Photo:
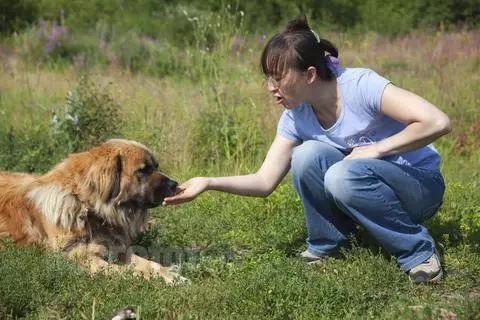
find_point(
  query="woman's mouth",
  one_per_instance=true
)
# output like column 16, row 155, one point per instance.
column 278, row 100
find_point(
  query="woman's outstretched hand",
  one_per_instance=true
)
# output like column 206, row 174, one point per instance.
column 187, row 191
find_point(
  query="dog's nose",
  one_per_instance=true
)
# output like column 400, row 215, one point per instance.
column 171, row 184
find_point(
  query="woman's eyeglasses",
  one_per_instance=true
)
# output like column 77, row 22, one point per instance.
column 273, row 82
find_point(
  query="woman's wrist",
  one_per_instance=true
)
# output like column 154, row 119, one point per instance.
column 382, row 149
column 210, row 183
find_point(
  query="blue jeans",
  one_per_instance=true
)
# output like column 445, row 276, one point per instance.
column 389, row 200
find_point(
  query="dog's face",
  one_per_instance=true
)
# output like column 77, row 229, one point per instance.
column 127, row 174
column 145, row 186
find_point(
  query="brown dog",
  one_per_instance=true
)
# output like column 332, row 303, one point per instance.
column 91, row 206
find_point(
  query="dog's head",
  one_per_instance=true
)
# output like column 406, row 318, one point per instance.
column 125, row 173
column 117, row 181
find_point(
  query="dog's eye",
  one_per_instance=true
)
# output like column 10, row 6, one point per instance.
column 145, row 171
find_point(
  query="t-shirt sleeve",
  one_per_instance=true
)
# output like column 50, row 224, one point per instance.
column 371, row 86
column 286, row 127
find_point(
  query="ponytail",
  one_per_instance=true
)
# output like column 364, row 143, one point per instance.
column 298, row 47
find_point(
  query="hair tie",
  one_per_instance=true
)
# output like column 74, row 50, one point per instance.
column 316, row 35
column 332, row 62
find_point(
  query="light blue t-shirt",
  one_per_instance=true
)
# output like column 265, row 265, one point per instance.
column 360, row 121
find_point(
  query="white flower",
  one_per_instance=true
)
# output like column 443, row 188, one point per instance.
column 73, row 119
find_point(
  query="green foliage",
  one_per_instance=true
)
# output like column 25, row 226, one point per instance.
column 90, row 116
column 139, row 53
column 165, row 20
column 15, row 14
column 227, row 134
column 28, row 150
column 385, row 17
column 463, row 203
column 150, row 37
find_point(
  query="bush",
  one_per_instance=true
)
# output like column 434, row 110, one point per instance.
column 90, row 116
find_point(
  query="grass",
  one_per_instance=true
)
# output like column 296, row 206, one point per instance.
column 240, row 253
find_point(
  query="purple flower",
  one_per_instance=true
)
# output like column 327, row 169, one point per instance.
column 261, row 40
column 54, row 38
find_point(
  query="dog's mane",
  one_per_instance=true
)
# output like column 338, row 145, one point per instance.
column 63, row 209
column 60, row 208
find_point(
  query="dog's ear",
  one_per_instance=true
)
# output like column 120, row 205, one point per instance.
column 105, row 177
column 116, row 179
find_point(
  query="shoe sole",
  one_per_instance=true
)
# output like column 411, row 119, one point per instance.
column 437, row 278
column 434, row 280
column 314, row 262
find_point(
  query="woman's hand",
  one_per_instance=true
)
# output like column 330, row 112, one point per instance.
column 188, row 191
column 369, row 151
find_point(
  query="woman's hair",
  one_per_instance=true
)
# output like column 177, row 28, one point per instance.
column 298, row 48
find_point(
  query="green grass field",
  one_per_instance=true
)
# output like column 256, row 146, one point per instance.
column 210, row 114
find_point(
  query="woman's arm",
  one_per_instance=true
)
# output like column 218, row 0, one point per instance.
column 259, row 184
column 425, row 123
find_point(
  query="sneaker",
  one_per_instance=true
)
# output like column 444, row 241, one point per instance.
column 429, row 271
column 312, row 258
column 309, row 257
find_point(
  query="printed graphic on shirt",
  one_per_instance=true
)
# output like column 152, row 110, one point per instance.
column 361, row 138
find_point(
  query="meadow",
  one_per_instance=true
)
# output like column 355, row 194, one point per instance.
column 204, row 110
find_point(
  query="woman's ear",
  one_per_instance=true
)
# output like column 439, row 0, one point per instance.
column 311, row 75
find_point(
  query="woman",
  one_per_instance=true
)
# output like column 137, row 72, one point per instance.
column 359, row 149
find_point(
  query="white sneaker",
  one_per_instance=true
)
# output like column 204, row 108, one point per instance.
column 309, row 257
column 312, row 258
column 429, row 271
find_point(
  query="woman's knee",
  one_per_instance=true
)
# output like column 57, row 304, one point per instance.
column 309, row 155
column 343, row 178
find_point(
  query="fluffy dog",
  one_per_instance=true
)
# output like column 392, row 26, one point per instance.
column 91, row 206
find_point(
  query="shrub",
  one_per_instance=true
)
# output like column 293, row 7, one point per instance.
column 90, row 116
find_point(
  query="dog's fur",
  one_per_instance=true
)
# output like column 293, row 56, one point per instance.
column 91, row 206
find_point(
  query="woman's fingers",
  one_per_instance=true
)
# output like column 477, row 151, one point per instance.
column 180, row 190
column 182, row 196
column 173, row 201
column 187, row 191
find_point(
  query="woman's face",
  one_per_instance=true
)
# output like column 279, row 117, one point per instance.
column 288, row 91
